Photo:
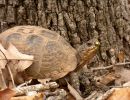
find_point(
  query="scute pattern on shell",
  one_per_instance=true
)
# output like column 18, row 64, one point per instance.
column 54, row 57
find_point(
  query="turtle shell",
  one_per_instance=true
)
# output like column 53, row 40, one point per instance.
column 54, row 57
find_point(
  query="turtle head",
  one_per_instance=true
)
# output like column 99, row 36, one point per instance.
column 87, row 51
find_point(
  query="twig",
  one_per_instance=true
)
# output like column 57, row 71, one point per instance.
column 3, row 54
column 110, row 66
column 119, row 86
column 106, row 95
column 11, row 76
column 38, row 87
column 23, row 84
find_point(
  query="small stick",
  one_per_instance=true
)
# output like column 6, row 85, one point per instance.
column 110, row 66
column 38, row 87
column 23, row 84
column 106, row 95
column 11, row 76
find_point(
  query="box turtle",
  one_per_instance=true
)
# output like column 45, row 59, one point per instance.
column 54, row 57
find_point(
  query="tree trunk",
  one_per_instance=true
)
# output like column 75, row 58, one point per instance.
column 78, row 21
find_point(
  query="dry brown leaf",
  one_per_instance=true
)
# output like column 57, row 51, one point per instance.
column 26, row 61
column 13, row 53
column 2, row 52
column 2, row 81
column 105, row 79
column 15, row 62
column 6, row 94
column 2, row 66
column 120, row 94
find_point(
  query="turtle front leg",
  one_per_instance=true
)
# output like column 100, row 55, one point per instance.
column 74, row 80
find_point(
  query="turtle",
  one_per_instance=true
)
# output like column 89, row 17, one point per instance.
column 54, row 57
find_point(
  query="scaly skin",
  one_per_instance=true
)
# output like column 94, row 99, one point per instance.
column 87, row 55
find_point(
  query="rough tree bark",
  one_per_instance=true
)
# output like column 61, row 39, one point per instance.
column 78, row 21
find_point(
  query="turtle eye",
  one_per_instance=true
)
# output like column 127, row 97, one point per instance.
column 97, row 43
column 89, row 44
